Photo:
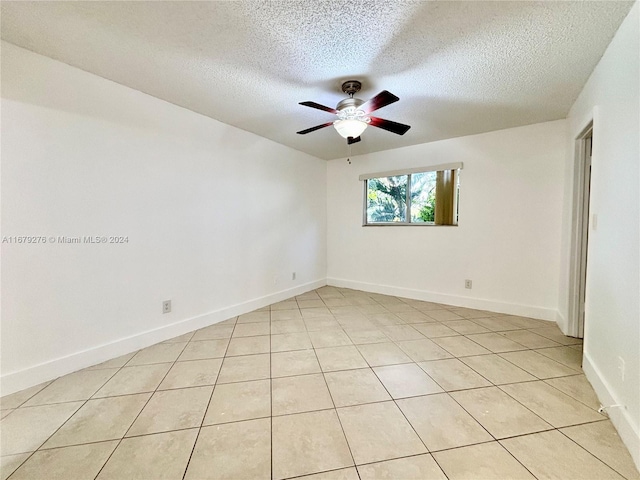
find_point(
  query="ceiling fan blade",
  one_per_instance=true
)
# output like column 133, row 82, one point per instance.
column 319, row 107
column 313, row 129
column 394, row 127
column 351, row 140
column 383, row 99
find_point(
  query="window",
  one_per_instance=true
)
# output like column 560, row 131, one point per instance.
column 422, row 196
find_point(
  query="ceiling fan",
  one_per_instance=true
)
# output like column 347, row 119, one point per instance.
column 353, row 114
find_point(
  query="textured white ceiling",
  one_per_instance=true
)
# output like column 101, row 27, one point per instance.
column 458, row 67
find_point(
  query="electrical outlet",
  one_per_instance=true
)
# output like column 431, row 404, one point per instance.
column 467, row 284
column 621, row 367
column 166, row 306
column 293, row 276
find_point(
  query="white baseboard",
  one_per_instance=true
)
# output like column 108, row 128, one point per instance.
column 620, row 417
column 562, row 323
column 19, row 380
column 540, row 313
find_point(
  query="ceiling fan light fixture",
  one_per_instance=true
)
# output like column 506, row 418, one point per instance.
column 349, row 127
column 353, row 114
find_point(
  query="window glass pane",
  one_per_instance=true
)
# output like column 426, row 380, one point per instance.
column 387, row 199
column 423, row 197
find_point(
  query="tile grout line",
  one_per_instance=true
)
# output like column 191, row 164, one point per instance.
column 589, row 452
column 396, row 405
column 525, row 406
column 439, row 466
column 570, row 396
column 447, row 393
column 550, row 359
column 341, row 327
column 495, row 353
column 143, row 407
column 31, row 454
column 562, row 433
column 488, row 432
column 515, row 458
column 134, row 393
column 193, row 448
column 271, row 391
column 402, row 412
column 493, row 385
column 535, row 379
column 499, row 440
column 21, row 404
column 335, row 409
column 435, row 451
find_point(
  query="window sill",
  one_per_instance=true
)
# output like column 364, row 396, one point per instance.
column 404, row 224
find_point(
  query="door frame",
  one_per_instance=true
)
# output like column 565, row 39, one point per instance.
column 580, row 225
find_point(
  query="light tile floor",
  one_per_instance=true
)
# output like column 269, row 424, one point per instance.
column 333, row 384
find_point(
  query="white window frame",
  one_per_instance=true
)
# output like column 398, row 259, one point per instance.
column 393, row 173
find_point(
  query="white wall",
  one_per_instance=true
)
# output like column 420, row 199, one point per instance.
column 213, row 215
column 612, row 312
column 508, row 240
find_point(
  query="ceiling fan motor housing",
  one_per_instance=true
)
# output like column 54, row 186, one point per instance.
column 349, row 103
column 348, row 110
